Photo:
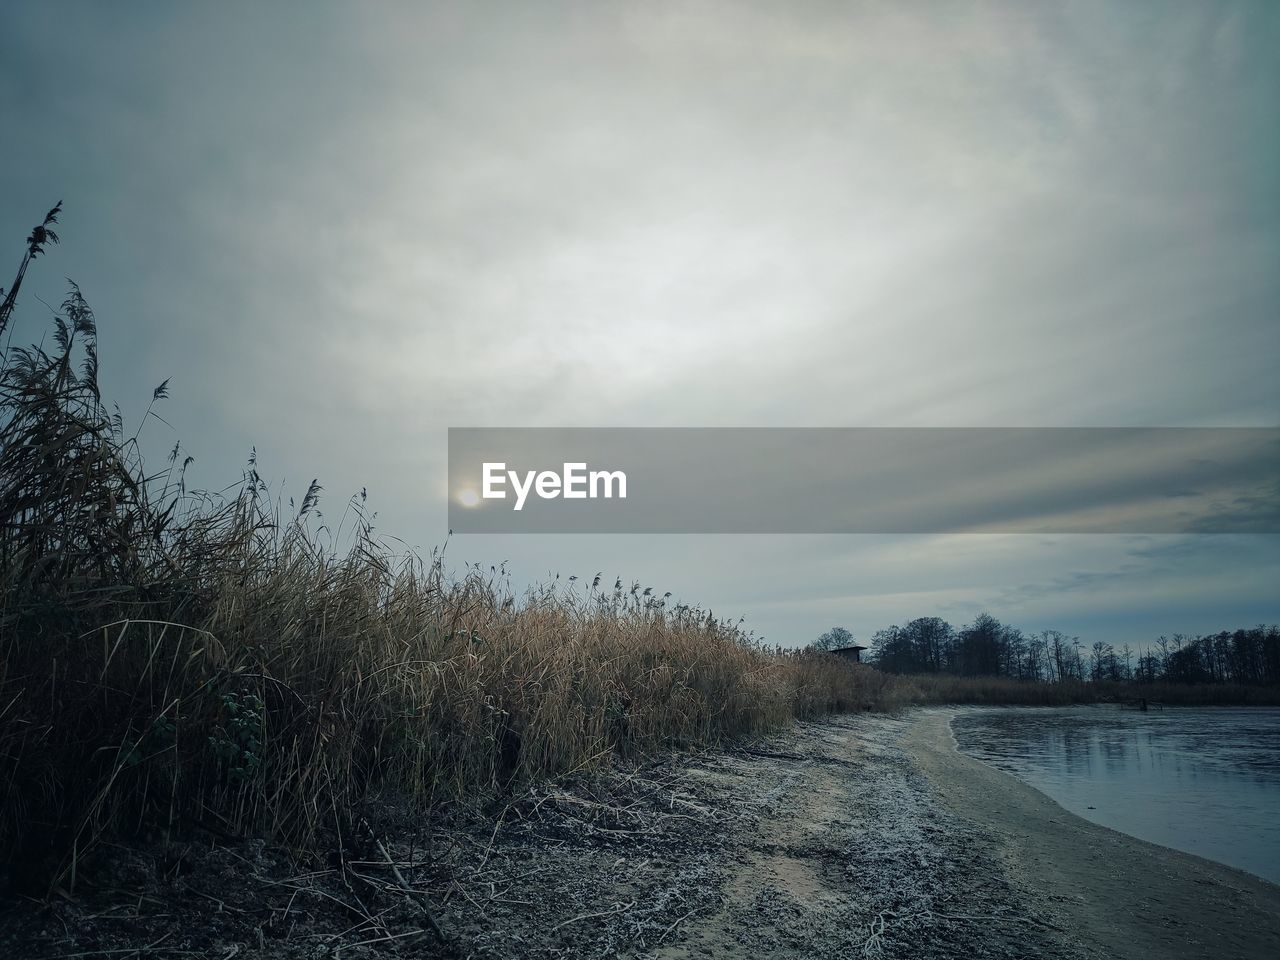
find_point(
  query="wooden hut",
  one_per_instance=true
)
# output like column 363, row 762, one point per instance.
column 853, row 653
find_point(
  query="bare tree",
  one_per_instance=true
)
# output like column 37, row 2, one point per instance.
column 833, row 639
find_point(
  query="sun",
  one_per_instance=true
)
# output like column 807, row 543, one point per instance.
column 468, row 498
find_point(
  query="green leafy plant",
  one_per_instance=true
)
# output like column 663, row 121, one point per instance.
column 238, row 742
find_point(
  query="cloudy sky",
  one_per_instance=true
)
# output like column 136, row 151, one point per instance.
column 343, row 231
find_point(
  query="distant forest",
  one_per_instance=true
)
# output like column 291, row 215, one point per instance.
column 988, row 647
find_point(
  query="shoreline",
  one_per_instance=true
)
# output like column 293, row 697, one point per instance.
column 1127, row 896
column 863, row 835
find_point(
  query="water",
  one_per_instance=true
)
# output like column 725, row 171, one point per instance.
column 1202, row 780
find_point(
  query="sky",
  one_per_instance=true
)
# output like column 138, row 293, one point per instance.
column 340, row 232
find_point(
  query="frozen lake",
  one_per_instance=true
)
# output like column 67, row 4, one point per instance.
column 1202, row 780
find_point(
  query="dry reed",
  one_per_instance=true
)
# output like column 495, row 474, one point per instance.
column 172, row 661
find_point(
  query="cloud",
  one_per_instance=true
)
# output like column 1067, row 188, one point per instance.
column 342, row 233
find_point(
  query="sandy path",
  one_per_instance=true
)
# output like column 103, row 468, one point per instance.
column 1126, row 897
column 853, row 854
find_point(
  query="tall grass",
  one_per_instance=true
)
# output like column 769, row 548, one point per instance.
column 1006, row 691
column 171, row 659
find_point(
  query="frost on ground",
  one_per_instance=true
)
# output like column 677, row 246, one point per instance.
column 859, row 858
column 822, row 842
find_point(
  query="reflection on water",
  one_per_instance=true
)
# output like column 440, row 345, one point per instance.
column 1206, row 781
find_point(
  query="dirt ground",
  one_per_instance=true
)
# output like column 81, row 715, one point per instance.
column 861, row 836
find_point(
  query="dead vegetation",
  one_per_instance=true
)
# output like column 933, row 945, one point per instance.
column 938, row 688
column 175, row 662
column 611, row 862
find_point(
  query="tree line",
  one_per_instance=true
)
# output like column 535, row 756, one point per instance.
column 988, row 647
